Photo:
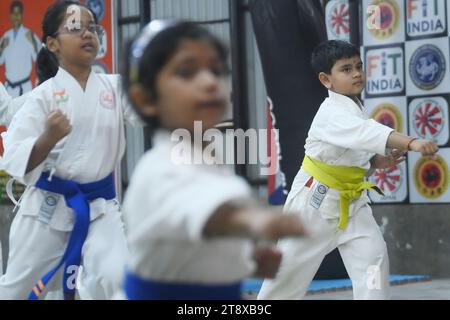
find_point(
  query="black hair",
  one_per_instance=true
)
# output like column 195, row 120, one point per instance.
column 47, row 63
column 161, row 48
column 16, row 4
column 327, row 53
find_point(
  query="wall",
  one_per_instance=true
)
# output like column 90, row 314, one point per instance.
column 417, row 237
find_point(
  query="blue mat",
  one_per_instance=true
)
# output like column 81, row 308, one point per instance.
column 318, row 286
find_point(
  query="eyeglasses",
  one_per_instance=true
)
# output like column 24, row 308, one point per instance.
column 95, row 29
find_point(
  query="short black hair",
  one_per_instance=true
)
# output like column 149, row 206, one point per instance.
column 16, row 4
column 327, row 53
column 158, row 52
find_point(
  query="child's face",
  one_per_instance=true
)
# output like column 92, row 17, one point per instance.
column 190, row 87
column 16, row 17
column 75, row 46
column 347, row 77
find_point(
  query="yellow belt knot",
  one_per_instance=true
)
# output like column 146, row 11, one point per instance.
column 349, row 181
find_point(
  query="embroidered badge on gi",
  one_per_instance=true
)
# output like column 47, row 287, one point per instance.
column 107, row 99
column 48, row 207
column 60, row 97
column 318, row 195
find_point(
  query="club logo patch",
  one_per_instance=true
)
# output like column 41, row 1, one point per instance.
column 50, row 201
column 107, row 99
column 427, row 67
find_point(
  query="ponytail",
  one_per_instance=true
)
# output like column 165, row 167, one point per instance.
column 46, row 65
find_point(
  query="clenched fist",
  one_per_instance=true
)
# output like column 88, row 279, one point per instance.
column 57, row 126
column 275, row 225
column 425, row 147
column 268, row 261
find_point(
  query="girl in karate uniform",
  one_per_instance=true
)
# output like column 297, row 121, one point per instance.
column 65, row 144
column 342, row 148
column 189, row 226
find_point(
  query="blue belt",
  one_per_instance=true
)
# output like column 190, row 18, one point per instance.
column 76, row 196
column 139, row 289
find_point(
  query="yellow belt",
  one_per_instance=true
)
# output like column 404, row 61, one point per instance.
column 349, row 181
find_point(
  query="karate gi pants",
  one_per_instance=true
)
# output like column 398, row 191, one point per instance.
column 35, row 248
column 360, row 244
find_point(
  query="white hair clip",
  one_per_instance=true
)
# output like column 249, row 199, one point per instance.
column 143, row 40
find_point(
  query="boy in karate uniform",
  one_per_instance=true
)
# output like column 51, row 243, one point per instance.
column 329, row 190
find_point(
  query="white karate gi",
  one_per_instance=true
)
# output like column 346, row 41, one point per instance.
column 165, row 209
column 89, row 153
column 4, row 102
column 9, row 106
column 18, row 58
column 341, row 134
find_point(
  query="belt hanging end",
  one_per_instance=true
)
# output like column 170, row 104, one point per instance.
column 52, row 172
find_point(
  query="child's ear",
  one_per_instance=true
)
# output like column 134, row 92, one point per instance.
column 142, row 100
column 325, row 80
column 52, row 44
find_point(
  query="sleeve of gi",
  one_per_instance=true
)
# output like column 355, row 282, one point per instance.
column 5, row 100
column 202, row 199
column 130, row 116
column 9, row 106
column 352, row 132
column 14, row 106
column 179, row 207
column 26, row 127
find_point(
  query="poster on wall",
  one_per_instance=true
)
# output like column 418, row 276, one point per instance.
column 429, row 178
column 427, row 66
column 392, row 181
column 20, row 42
column 415, row 91
column 429, row 117
column 389, row 111
column 383, row 22
column 337, row 20
column 425, row 18
column 384, row 71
